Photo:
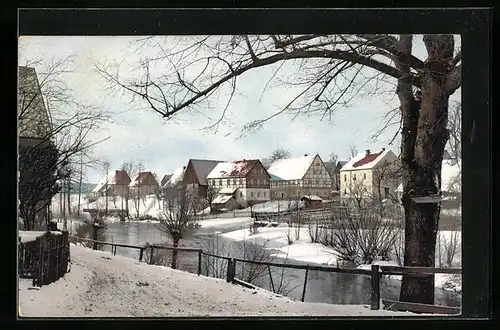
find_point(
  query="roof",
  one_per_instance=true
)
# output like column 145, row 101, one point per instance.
column 362, row 161
column 312, row 198
column 291, row 168
column 139, row 179
column 236, row 169
column 275, row 177
column 165, row 178
column 222, row 199
column 330, row 166
column 120, row 178
column 227, row 190
column 202, row 168
column 175, row 177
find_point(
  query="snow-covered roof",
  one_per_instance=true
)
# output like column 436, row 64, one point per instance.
column 312, row 198
column 236, row 169
column 202, row 168
column 227, row 190
column 222, row 199
column 140, row 179
column 291, row 168
column 120, row 177
column 451, row 178
column 365, row 160
column 175, row 177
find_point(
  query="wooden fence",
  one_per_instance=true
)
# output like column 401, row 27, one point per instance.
column 375, row 274
column 44, row 260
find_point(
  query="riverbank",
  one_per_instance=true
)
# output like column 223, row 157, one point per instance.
column 293, row 244
column 100, row 284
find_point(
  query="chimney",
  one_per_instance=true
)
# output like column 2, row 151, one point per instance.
column 183, row 168
column 383, row 149
column 367, row 152
column 305, row 155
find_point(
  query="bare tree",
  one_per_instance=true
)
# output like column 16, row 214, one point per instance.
column 106, row 165
column 334, row 69
column 353, row 151
column 277, row 154
column 212, row 193
column 132, row 169
column 359, row 191
column 177, row 219
column 455, row 129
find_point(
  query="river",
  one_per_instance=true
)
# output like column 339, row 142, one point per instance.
column 322, row 287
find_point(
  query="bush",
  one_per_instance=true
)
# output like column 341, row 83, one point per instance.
column 362, row 239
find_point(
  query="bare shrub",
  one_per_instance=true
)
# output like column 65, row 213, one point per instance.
column 361, row 239
column 86, row 231
column 253, row 228
column 160, row 257
column 314, row 231
column 213, row 266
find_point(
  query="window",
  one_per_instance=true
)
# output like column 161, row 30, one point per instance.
column 258, row 193
column 386, row 192
column 345, row 177
column 364, row 176
column 220, row 182
column 264, row 194
column 345, row 191
column 241, row 194
column 354, row 177
column 251, row 194
column 241, row 181
column 228, row 181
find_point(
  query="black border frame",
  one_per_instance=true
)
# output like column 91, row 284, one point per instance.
column 474, row 24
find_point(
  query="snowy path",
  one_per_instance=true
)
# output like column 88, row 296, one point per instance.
column 100, row 284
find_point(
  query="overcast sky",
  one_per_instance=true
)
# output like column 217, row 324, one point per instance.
column 139, row 134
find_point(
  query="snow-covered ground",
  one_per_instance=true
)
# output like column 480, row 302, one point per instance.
column 304, row 251
column 274, row 206
column 276, row 238
column 102, row 285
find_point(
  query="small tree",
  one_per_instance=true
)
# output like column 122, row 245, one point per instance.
column 177, row 219
column 39, row 173
column 276, row 155
column 211, row 195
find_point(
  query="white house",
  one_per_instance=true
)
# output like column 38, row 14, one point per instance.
column 369, row 176
column 294, row 177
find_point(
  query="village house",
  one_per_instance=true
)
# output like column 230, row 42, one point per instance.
column 293, row 178
column 170, row 188
column 34, row 120
column 195, row 176
column 245, row 181
column 144, row 183
column 369, row 177
column 117, row 184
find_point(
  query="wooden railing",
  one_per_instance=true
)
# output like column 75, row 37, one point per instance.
column 375, row 273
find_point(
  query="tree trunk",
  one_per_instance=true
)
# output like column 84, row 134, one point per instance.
column 69, row 195
column 174, row 252
column 65, row 219
column 80, row 186
column 60, row 204
column 424, row 137
column 95, row 228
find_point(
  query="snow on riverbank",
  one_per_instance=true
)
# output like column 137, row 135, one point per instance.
column 276, row 238
column 100, row 284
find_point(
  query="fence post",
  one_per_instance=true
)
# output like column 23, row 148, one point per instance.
column 140, row 254
column 199, row 262
column 229, row 277
column 305, row 284
column 271, row 277
column 151, row 255
column 233, row 270
column 375, row 283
